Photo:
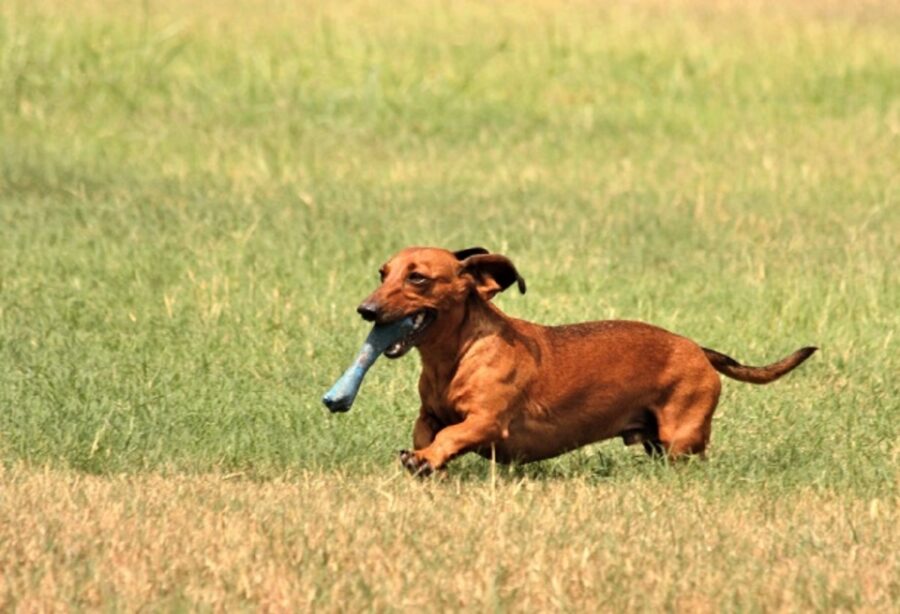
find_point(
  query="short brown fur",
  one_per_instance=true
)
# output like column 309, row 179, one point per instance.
column 529, row 392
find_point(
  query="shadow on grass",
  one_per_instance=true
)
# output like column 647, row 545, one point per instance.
column 592, row 465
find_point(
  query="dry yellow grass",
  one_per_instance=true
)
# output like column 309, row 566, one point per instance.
column 335, row 542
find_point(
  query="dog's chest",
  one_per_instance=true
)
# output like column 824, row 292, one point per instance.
column 442, row 405
column 485, row 381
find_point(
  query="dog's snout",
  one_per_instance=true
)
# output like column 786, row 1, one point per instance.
column 368, row 311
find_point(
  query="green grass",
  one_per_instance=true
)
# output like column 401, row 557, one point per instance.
column 193, row 199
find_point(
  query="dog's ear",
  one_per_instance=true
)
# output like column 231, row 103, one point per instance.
column 491, row 273
column 471, row 251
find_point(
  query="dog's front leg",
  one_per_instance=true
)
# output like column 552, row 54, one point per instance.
column 451, row 441
column 424, row 430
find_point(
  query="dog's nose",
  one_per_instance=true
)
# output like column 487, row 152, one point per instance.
column 368, row 311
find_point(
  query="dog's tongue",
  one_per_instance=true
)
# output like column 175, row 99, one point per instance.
column 340, row 397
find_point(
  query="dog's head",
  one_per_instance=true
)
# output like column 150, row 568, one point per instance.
column 433, row 285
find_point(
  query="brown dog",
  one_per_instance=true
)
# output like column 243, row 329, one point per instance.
column 531, row 392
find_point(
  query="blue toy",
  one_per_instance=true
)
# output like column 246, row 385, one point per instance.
column 342, row 394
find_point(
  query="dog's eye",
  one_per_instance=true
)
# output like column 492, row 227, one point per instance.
column 382, row 274
column 416, row 279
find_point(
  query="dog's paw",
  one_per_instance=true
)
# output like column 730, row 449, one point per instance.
column 416, row 466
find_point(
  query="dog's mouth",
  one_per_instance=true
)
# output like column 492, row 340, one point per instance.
column 421, row 321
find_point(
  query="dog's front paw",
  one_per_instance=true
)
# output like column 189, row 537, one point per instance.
column 416, row 466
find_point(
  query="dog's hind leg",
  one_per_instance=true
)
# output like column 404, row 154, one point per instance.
column 643, row 429
column 685, row 420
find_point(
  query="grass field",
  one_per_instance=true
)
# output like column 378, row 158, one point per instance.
column 195, row 196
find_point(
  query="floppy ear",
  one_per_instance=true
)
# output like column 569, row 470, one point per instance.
column 492, row 273
column 471, row 251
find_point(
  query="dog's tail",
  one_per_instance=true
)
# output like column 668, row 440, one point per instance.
column 727, row 365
